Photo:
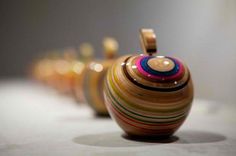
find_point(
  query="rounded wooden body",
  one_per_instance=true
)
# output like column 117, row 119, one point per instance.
column 66, row 76
column 79, row 68
column 148, row 95
column 93, row 85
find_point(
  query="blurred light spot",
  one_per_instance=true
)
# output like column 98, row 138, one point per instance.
column 78, row 67
column 98, row 67
column 166, row 62
column 134, row 66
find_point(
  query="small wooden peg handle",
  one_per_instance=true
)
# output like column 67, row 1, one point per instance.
column 86, row 51
column 110, row 46
column 148, row 41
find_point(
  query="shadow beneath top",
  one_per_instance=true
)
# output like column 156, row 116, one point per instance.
column 157, row 140
column 117, row 139
column 197, row 137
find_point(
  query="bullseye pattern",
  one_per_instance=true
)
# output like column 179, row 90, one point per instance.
column 143, row 66
column 148, row 95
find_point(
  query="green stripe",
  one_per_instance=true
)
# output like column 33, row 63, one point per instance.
column 107, row 90
column 137, row 106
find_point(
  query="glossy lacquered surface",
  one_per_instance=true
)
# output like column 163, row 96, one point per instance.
column 93, row 85
column 94, row 76
column 149, row 95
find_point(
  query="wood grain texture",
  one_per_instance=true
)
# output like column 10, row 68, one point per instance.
column 148, row 102
column 94, row 83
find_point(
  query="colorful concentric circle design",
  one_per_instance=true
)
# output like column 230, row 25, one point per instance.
column 148, row 95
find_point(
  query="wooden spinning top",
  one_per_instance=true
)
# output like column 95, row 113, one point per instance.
column 94, row 77
column 148, row 95
column 86, row 56
column 65, row 70
column 44, row 70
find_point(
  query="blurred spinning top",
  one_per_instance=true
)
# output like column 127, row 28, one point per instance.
column 44, row 69
column 86, row 55
column 94, row 77
column 148, row 95
column 64, row 69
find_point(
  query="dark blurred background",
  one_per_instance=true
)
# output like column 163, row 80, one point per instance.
column 200, row 32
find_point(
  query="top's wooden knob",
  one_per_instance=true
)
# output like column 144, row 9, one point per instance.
column 86, row 51
column 110, row 46
column 148, row 41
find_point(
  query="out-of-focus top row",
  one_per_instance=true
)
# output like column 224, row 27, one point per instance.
column 77, row 72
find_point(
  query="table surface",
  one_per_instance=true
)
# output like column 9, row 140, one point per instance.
column 36, row 120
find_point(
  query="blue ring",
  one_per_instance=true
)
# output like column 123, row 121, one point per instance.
column 147, row 68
